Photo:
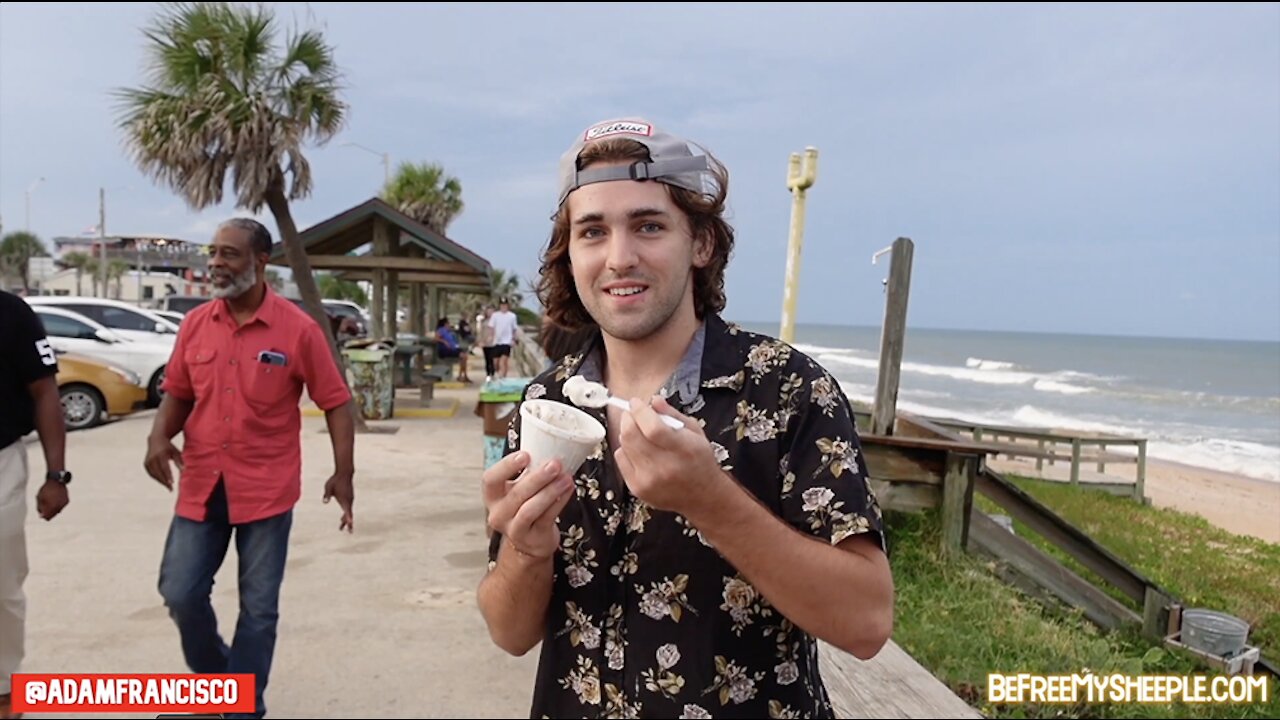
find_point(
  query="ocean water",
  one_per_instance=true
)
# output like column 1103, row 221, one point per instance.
column 1211, row 403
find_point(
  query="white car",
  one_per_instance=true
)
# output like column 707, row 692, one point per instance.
column 72, row 332
column 128, row 320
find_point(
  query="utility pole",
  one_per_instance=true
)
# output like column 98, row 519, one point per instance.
column 102, row 238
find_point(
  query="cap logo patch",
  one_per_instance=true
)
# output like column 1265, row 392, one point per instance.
column 618, row 128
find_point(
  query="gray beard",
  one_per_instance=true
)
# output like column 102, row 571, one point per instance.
column 240, row 285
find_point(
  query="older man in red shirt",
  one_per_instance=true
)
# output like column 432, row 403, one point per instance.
column 232, row 388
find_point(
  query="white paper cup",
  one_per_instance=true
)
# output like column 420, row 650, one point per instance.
column 550, row 429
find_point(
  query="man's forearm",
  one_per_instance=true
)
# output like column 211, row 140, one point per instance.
column 842, row 595
column 50, row 424
column 514, row 598
column 171, row 417
column 342, row 433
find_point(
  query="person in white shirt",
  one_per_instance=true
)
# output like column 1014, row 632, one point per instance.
column 506, row 330
column 485, row 334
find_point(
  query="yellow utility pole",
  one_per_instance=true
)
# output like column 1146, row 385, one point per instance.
column 798, row 180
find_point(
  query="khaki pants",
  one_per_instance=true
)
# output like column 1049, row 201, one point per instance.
column 13, row 560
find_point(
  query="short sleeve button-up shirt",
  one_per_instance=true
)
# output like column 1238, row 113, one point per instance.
column 646, row 619
column 246, row 424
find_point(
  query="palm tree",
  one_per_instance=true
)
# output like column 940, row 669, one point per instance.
column 425, row 193
column 116, row 270
column 16, row 251
column 504, row 285
column 223, row 98
column 79, row 262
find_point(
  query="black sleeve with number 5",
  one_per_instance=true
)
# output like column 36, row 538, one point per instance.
column 25, row 356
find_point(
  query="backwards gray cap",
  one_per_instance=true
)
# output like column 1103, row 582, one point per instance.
column 673, row 162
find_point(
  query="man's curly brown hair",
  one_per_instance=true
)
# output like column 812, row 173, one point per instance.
column 556, row 290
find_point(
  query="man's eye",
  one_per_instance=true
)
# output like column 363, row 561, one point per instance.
column 651, row 227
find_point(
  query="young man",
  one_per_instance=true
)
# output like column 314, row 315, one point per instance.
column 680, row 572
column 29, row 401
column 232, row 388
column 506, row 330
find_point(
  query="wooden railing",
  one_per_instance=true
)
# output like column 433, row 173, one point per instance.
column 1048, row 446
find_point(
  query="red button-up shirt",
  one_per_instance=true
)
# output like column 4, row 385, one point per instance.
column 246, row 424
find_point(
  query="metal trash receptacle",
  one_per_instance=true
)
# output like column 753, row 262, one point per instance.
column 497, row 404
column 370, row 373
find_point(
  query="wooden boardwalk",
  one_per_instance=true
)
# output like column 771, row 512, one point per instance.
column 892, row 685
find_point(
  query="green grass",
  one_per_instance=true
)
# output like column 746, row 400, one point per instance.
column 960, row 621
column 1199, row 563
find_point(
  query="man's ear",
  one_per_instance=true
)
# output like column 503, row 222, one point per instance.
column 703, row 248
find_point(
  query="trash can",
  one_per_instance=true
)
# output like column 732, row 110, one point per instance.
column 498, row 402
column 371, row 377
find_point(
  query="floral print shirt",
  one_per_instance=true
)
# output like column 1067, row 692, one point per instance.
column 646, row 619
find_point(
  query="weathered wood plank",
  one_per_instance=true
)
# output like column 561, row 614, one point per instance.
column 1026, row 560
column 890, row 685
column 957, row 501
column 907, row 497
column 1063, row 534
column 390, row 262
column 896, row 464
column 893, row 337
column 910, row 425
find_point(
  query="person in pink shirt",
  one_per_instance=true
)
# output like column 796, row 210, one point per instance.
column 232, row 388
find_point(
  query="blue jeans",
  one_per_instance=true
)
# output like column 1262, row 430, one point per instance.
column 193, row 553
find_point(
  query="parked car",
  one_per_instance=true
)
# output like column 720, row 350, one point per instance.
column 181, row 303
column 74, row 333
column 171, row 315
column 92, row 391
column 128, row 320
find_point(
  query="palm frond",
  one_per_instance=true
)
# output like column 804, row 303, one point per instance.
column 222, row 98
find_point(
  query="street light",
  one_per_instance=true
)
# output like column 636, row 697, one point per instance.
column 386, row 159
column 102, row 236
column 31, row 188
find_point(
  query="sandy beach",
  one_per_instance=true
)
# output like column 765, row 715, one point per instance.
column 1239, row 504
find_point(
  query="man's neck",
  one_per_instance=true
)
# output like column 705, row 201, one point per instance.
column 638, row 368
column 245, row 305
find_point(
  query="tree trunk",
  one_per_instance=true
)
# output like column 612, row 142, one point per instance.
column 306, row 282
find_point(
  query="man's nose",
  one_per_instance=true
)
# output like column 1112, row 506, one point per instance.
column 622, row 252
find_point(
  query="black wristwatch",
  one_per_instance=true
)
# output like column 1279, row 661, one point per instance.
column 61, row 476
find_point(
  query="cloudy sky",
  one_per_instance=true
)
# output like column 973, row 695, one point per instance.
column 1109, row 170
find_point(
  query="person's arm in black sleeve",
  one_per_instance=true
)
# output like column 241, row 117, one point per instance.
column 38, row 367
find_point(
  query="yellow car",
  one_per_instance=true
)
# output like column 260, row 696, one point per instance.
column 93, row 390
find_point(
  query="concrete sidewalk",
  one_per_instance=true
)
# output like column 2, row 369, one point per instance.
column 381, row 623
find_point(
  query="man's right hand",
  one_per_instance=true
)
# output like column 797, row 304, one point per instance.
column 160, row 452
column 525, row 512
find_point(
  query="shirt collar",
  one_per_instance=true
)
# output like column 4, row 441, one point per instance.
column 713, row 360
column 266, row 312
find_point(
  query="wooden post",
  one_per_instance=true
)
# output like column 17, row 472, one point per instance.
column 1102, row 464
column 1155, row 614
column 393, row 302
column 893, row 337
column 957, row 501
column 1075, row 461
column 1040, row 459
column 376, row 303
column 1141, row 480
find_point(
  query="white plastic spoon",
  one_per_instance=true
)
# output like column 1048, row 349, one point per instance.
column 584, row 393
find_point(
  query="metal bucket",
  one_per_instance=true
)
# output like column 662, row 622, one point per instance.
column 1214, row 632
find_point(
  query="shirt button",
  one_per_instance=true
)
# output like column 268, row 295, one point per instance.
column 233, row 361
column 228, row 390
column 224, row 446
column 226, row 419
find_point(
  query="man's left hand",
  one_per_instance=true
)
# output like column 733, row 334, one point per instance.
column 340, row 486
column 669, row 469
column 51, row 499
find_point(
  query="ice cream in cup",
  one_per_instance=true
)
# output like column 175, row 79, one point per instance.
column 550, row 429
